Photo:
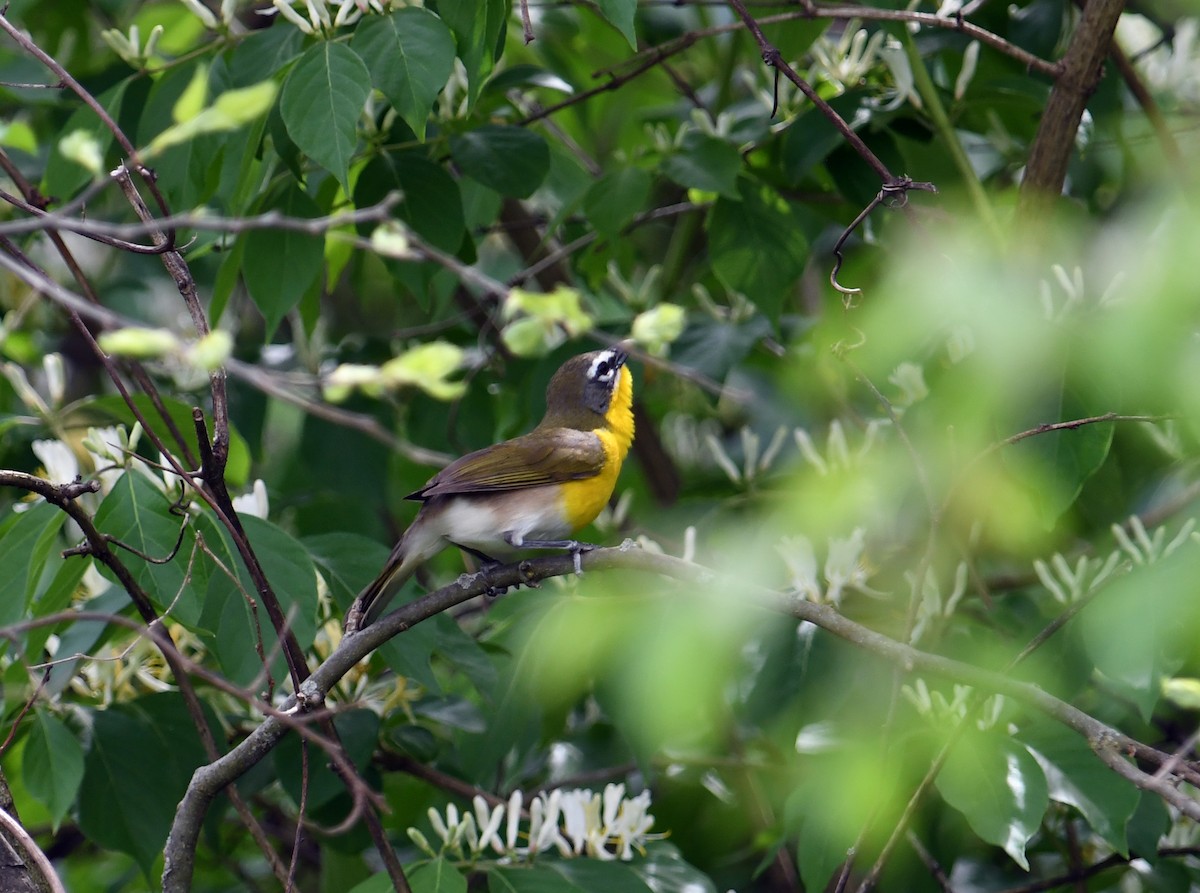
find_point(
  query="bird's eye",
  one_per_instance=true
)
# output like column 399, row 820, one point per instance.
column 603, row 369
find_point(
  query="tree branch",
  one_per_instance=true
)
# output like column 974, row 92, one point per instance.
column 1054, row 144
column 1110, row 745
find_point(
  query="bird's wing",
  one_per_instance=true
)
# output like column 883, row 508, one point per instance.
column 545, row 456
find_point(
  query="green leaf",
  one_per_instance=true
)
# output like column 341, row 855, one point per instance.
column 1077, row 777
column 812, row 136
column 595, row 875
column 1073, row 457
column 261, row 53
column 358, row 731
column 142, row 756
column 63, row 175
column 706, row 163
column 432, row 205
column 191, row 101
column 478, row 26
column 437, row 876
column 56, row 598
column 138, row 514
column 716, row 346
column 237, row 469
column 665, row 871
column 21, row 558
column 535, row 878
column 756, row 246
column 53, row 764
column 322, row 100
column 1142, row 625
column 291, row 572
column 512, row 160
column 613, row 200
column 81, row 638
column 348, row 562
column 410, row 54
column 281, row 265
column 231, row 110
column 1149, row 822
column 998, row 785
column 619, row 13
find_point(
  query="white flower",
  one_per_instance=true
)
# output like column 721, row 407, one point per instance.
column 578, row 822
column 489, row 824
column 797, row 553
column 904, row 87
column 632, row 824
column 58, row 459
column 202, row 12
column 846, row 61
column 109, row 449
column 844, row 566
column 253, row 503
column 910, row 379
column 838, row 456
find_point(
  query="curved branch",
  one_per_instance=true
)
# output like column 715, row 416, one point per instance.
column 1110, row 745
column 33, row 852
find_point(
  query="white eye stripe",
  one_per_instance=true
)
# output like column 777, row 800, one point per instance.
column 604, row 366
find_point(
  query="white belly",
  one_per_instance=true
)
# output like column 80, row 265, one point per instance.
column 493, row 523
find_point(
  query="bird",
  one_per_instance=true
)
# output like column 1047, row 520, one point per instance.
column 531, row 492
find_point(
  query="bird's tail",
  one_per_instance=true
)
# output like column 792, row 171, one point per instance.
column 374, row 599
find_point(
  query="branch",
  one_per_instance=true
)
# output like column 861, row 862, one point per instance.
column 1109, row 744
column 103, row 231
column 1082, row 66
column 648, row 59
column 32, row 851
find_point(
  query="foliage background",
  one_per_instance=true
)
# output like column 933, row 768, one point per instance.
column 949, row 637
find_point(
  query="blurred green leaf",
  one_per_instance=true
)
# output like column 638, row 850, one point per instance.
column 620, row 14
column 998, row 785
column 1077, row 777
column 595, row 875
column 1139, row 628
column 437, row 876
column 665, row 871
column 1149, row 822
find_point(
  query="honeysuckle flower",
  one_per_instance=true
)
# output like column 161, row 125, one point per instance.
column 844, row 565
column 845, row 61
column 574, row 823
column 255, row 502
column 57, row 459
column 838, row 456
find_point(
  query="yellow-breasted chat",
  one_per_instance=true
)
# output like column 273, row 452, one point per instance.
column 531, row 492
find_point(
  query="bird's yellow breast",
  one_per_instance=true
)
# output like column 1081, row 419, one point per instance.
column 582, row 500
